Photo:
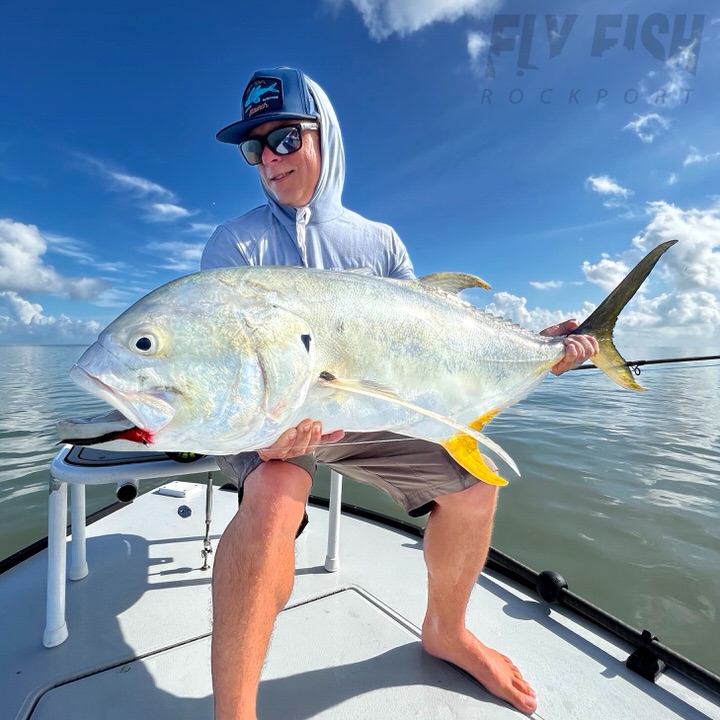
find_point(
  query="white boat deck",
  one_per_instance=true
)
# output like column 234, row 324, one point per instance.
column 346, row 646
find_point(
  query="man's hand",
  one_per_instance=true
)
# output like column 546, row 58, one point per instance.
column 578, row 348
column 299, row 440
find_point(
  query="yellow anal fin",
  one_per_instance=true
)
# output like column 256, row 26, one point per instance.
column 464, row 451
column 382, row 392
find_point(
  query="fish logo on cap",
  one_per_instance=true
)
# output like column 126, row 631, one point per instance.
column 262, row 95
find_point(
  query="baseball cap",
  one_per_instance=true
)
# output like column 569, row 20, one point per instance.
column 276, row 94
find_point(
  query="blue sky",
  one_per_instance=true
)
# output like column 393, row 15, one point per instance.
column 543, row 146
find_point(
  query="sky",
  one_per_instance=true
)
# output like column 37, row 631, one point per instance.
column 544, row 146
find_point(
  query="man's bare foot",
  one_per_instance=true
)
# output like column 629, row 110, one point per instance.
column 495, row 672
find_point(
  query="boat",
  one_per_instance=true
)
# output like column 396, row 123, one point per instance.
column 113, row 620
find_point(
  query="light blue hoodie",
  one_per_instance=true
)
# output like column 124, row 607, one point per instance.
column 323, row 234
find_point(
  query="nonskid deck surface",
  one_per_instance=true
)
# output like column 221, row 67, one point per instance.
column 347, row 645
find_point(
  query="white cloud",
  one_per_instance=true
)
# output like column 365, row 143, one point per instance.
column 166, row 212
column 606, row 273
column 204, row 229
column 23, row 321
column 672, row 178
column 178, row 256
column 515, row 309
column 477, row 43
column 694, row 263
column 678, row 306
column 648, row 127
column 695, row 157
column 23, row 269
column 385, row 17
column 614, row 192
column 606, row 185
column 146, row 192
column 137, row 184
column 676, row 90
column 547, row 285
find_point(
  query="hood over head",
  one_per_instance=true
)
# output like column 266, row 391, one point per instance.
column 284, row 94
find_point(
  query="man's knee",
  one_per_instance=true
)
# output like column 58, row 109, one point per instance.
column 275, row 495
column 479, row 499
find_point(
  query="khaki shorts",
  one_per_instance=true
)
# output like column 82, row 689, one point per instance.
column 412, row 472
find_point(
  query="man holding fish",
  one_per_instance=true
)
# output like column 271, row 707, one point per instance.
column 290, row 132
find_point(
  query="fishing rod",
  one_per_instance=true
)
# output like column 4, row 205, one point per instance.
column 635, row 365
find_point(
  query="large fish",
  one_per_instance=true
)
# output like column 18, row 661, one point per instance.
column 224, row 361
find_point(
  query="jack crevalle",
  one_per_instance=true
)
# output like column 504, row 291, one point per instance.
column 224, row 361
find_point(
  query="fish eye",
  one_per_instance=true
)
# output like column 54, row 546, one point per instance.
column 145, row 343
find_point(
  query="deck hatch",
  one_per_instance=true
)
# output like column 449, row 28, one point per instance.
column 342, row 655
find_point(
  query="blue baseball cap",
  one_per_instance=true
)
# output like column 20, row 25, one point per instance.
column 276, row 94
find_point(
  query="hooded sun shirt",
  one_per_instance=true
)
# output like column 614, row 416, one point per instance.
column 322, row 234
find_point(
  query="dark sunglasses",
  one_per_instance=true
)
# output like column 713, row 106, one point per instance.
column 284, row 140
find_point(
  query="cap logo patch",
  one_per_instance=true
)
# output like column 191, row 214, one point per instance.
column 262, row 95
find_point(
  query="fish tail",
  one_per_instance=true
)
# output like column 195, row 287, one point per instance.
column 601, row 323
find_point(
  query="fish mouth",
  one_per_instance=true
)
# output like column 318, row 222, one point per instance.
column 148, row 411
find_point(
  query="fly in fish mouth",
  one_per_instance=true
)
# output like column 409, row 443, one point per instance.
column 133, row 434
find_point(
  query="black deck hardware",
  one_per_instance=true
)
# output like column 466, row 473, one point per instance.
column 644, row 662
column 549, row 585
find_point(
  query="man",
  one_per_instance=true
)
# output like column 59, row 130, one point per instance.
column 290, row 132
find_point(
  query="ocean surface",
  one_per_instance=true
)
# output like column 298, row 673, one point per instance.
column 620, row 491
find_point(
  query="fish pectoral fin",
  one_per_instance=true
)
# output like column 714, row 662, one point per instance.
column 382, row 392
column 361, row 387
column 464, row 451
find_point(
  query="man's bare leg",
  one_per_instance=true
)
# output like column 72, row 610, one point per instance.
column 457, row 540
column 252, row 580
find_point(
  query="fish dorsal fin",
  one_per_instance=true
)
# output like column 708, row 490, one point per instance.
column 382, row 392
column 452, row 282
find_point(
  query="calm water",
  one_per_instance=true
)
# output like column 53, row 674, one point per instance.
column 620, row 491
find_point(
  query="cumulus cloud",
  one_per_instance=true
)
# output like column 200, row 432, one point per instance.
column 678, row 306
column 606, row 273
column 23, row 269
column 615, row 194
column 515, row 309
column 694, row 263
column 606, row 185
column 24, row 321
column 385, row 17
column 648, row 127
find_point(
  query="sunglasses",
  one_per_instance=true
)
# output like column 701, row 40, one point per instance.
column 282, row 141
